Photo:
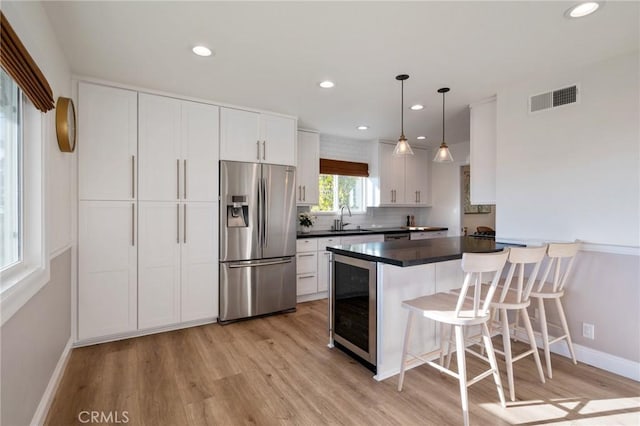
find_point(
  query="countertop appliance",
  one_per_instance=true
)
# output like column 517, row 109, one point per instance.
column 395, row 237
column 257, row 239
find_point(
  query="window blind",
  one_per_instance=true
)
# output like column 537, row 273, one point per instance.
column 344, row 168
column 17, row 62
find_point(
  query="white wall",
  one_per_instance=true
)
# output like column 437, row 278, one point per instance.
column 44, row 321
column 573, row 173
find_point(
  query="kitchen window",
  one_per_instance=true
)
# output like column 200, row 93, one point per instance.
column 337, row 191
column 11, row 120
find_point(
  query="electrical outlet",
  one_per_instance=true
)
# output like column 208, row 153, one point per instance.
column 588, row 331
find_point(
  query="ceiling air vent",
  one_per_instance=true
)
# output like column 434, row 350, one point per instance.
column 554, row 99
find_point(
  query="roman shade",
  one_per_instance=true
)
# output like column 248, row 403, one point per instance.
column 344, row 168
column 17, row 62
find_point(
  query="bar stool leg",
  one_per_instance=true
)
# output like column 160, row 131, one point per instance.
column 494, row 364
column 462, row 372
column 545, row 336
column 532, row 342
column 565, row 327
column 405, row 346
column 506, row 341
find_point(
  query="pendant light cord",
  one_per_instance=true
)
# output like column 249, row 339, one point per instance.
column 402, row 108
column 442, row 117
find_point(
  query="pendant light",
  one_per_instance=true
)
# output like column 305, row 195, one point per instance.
column 443, row 155
column 402, row 147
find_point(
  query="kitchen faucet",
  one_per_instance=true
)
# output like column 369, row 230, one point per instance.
column 342, row 224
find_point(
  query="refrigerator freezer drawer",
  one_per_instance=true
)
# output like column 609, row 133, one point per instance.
column 251, row 288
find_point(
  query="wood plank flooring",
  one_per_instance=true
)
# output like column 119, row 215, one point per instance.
column 278, row 370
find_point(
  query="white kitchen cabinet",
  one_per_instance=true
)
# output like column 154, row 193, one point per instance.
column 199, row 152
column 308, row 169
column 159, row 264
column 178, row 262
column 398, row 181
column 391, row 175
column 107, row 142
column 199, row 261
column 254, row 137
column 324, row 275
column 361, row 239
column 306, row 266
column 107, row 268
column 159, row 147
column 417, row 188
column 483, row 137
column 178, row 148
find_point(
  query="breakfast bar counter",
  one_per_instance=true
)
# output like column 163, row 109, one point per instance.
column 369, row 283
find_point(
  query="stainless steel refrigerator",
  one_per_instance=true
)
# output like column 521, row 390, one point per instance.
column 257, row 239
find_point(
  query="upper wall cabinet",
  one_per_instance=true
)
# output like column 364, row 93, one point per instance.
column 107, row 142
column 483, row 135
column 178, row 150
column 308, row 169
column 399, row 181
column 255, row 137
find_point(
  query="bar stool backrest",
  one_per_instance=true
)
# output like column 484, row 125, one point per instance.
column 519, row 258
column 474, row 265
column 557, row 254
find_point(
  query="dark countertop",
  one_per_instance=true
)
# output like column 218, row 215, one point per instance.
column 418, row 252
column 368, row 231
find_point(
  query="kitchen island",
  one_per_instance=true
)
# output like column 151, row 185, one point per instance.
column 370, row 282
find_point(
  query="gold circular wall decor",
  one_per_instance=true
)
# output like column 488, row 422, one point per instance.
column 66, row 124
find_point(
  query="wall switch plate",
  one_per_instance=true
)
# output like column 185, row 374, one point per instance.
column 588, row 330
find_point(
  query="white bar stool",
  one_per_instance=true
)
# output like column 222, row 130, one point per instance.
column 459, row 312
column 557, row 253
column 515, row 297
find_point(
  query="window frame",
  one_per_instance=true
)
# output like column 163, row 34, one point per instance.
column 16, row 266
column 335, row 212
column 21, row 281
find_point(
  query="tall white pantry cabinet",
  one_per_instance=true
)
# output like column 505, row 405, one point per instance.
column 148, row 185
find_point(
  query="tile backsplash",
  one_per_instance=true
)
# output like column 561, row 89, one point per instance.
column 379, row 217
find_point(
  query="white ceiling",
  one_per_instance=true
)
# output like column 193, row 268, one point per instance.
column 272, row 55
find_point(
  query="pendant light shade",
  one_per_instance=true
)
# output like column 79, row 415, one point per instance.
column 442, row 154
column 402, row 147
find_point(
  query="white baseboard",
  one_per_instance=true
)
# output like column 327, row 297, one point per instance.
column 310, row 297
column 47, row 398
column 604, row 361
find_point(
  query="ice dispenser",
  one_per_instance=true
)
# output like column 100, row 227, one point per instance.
column 237, row 211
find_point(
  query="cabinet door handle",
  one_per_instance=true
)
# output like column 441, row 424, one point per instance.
column 257, row 150
column 306, row 276
column 184, row 224
column 416, row 196
column 133, row 224
column 419, row 197
column 184, row 179
column 304, row 192
column 133, row 176
column 299, row 193
column 264, row 150
column 177, row 178
column 305, row 255
column 178, row 223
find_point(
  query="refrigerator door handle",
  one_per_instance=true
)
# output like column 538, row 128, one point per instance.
column 265, row 215
column 259, row 221
column 254, row 264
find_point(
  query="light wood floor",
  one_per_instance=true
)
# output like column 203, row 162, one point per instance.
column 278, row 370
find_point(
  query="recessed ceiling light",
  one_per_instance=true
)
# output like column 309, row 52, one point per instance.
column 582, row 9
column 202, row 51
column 363, row 127
column 327, row 84
column 417, row 107
column 421, row 138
